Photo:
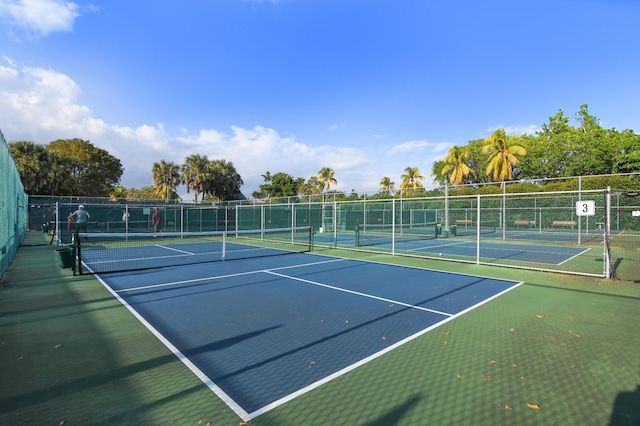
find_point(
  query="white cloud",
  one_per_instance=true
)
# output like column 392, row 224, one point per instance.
column 39, row 17
column 516, row 129
column 41, row 105
column 336, row 127
column 409, row 146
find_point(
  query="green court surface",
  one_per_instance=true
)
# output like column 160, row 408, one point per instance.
column 559, row 349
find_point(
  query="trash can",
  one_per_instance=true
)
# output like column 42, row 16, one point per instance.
column 438, row 229
column 45, row 228
column 65, row 256
column 453, row 229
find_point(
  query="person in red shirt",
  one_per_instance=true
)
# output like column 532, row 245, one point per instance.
column 156, row 217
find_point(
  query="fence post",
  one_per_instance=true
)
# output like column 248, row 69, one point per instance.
column 478, row 231
column 608, row 271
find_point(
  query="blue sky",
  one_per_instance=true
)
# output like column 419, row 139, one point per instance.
column 366, row 87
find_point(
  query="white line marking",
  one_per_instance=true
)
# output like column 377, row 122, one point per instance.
column 174, row 249
column 573, row 257
column 217, row 277
column 359, row 293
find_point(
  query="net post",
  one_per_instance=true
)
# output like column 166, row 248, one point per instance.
column 78, row 249
column 224, row 246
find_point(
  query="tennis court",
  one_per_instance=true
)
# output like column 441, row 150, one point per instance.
column 493, row 246
column 262, row 331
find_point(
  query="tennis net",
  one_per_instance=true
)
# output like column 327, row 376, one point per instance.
column 117, row 252
column 381, row 234
column 471, row 228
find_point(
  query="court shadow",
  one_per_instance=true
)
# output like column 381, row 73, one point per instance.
column 626, row 409
column 394, row 417
column 112, row 376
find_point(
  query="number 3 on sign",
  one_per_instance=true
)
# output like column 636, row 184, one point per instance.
column 586, row 208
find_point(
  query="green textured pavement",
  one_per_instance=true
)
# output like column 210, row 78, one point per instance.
column 558, row 350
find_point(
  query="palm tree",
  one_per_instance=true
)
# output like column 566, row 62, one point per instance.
column 502, row 151
column 166, row 178
column 32, row 161
column 456, row 165
column 411, row 180
column 326, row 179
column 310, row 187
column 387, row 186
column 194, row 174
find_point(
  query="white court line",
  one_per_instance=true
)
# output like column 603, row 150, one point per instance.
column 174, row 249
column 217, row 277
column 359, row 293
column 440, row 245
column 573, row 257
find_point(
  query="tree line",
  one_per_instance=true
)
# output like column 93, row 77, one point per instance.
column 76, row 167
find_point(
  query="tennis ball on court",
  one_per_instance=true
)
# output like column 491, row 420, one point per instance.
column 439, row 254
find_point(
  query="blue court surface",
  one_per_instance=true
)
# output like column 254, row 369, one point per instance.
column 260, row 332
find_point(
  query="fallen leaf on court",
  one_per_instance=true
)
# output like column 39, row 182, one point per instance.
column 58, row 346
column 487, row 378
column 514, row 364
column 392, row 305
column 533, row 406
column 577, row 335
column 507, row 408
column 245, row 423
column 512, row 329
column 447, row 333
column 552, row 338
column 539, row 316
column 523, row 378
column 573, row 366
column 493, row 361
column 384, row 338
column 459, row 376
column 62, row 422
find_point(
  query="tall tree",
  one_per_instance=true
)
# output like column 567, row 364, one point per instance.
column 223, row 181
column 311, row 187
column 278, row 185
column 387, row 186
column 32, row 161
column 194, row 174
column 411, row 180
column 456, row 167
column 166, row 178
column 502, row 151
column 326, row 179
column 91, row 171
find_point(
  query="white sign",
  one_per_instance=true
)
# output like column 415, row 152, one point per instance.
column 586, row 208
column 635, row 213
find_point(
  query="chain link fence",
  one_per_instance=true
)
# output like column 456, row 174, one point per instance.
column 13, row 207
